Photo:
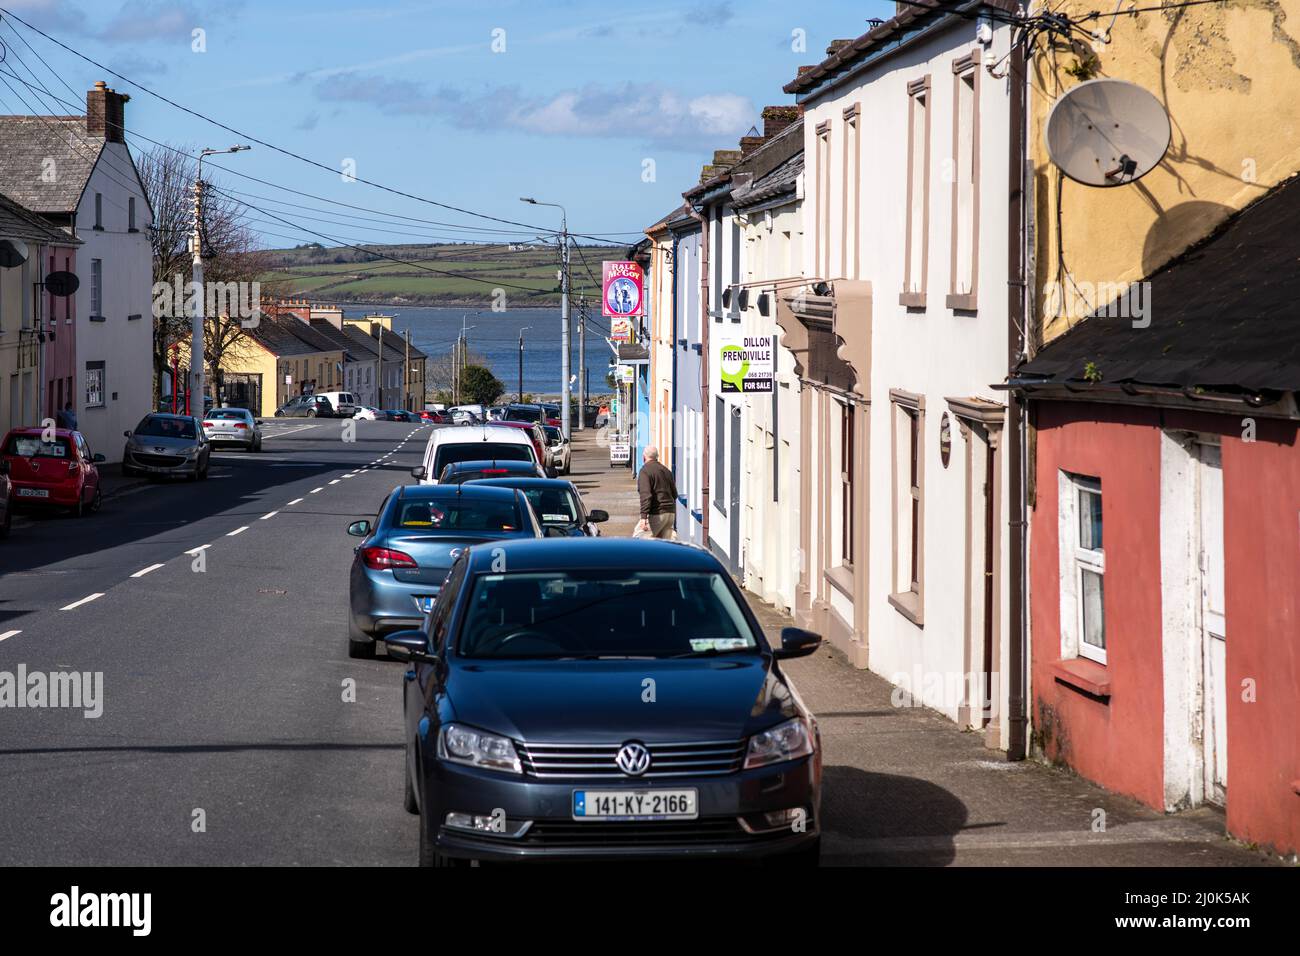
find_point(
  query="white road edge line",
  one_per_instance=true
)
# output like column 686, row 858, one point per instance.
column 8, row 634
column 237, row 531
column 85, row 600
column 143, row 571
column 269, row 514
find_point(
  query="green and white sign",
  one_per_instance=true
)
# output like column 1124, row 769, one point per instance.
column 745, row 363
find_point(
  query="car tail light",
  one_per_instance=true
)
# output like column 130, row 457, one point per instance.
column 495, row 471
column 243, row 425
column 383, row 559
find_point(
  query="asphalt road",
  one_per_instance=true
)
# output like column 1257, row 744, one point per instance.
column 224, row 676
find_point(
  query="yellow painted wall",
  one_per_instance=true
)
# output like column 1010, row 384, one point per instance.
column 1229, row 77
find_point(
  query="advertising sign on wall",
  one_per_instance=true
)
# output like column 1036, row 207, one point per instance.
column 622, row 289
column 620, row 330
column 745, row 363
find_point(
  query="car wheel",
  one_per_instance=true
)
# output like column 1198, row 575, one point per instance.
column 97, row 501
column 409, row 802
column 8, row 522
column 361, row 650
column 257, row 445
column 311, row 413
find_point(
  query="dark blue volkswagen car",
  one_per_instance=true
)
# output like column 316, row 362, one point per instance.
column 603, row 698
column 411, row 543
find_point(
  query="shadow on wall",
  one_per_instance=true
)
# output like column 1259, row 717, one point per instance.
column 1171, row 232
column 909, row 822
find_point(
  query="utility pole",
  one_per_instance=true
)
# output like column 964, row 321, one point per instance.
column 382, row 403
column 582, row 363
column 196, row 311
column 406, row 374
column 565, row 389
column 521, row 362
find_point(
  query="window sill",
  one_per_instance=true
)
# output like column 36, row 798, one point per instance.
column 841, row 578
column 98, row 318
column 1083, row 674
column 132, row 318
column 961, row 303
column 912, row 300
column 908, row 604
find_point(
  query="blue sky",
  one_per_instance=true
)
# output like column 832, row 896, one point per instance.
column 570, row 111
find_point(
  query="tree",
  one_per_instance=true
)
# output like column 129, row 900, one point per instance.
column 229, row 254
column 479, row 386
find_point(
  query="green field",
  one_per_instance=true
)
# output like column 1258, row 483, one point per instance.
column 448, row 274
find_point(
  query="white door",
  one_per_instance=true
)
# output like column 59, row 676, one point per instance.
column 1213, row 624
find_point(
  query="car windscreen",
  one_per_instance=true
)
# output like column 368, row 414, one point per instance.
column 166, row 428
column 552, row 434
column 558, row 506
column 523, row 414
column 226, row 414
column 451, row 475
column 31, row 446
column 455, row 514
column 602, row 613
column 479, row 451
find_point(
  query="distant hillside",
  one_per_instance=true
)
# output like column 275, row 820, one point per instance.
column 450, row 274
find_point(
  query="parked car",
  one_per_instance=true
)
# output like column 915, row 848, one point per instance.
column 496, row 413
column 559, row 448
column 462, row 471
column 524, row 413
column 6, row 498
column 366, row 413
column 473, row 443
column 557, row 502
column 551, row 414
column 526, row 692
column 167, row 445
column 463, row 416
column 235, row 426
column 407, row 548
column 52, row 469
column 165, row 404
column 433, row 416
column 344, row 403
column 538, row 437
column 306, row 406
column 399, row 415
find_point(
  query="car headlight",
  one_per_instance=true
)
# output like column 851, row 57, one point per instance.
column 476, row 748
column 787, row 741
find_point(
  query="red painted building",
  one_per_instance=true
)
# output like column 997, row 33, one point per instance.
column 61, row 333
column 1165, row 535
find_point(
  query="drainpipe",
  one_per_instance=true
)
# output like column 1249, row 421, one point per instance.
column 1017, row 447
column 705, row 320
column 672, row 418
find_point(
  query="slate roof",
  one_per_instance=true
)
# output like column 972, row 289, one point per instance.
column 1222, row 315
column 26, row 142
column 339, row 339
column 277, row 335
column 370, row 343
column 776, row 166
column 19, row 223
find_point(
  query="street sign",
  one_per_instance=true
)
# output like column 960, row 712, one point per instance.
column 620, row 451
column 745, row 363
column 622, row 290
column 625, row 374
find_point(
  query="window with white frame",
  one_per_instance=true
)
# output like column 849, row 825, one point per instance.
column 964, row 173
column 1083, row 569
column 908, row 492
column 95, row 372
column 97, row 287
column 917, row 235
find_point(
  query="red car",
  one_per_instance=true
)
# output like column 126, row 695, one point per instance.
column 437, row 418
column 60, row 472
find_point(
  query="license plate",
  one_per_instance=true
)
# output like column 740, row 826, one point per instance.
column 33, row 493
column 634, row 805
column 425, row 604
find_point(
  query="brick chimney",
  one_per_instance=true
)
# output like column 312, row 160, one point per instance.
column 106, row 113
column 777, row 118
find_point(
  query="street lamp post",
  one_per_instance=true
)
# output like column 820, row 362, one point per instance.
column 521, row 362
column 564, row 311
column 196, row 311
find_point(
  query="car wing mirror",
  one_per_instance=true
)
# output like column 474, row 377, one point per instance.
column 126, row 434
column 409, row 646
column 419, row 471
column 97, row 458
column 359, row 529
column 796, row 642
column 597, row 515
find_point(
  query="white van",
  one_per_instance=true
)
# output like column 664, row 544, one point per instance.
column 345, row 404
column 447, row 446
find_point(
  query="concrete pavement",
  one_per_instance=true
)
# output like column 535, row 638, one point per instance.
column 904, row 786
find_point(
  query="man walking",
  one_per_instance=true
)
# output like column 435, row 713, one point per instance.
column 67, row 418
column 658, row 498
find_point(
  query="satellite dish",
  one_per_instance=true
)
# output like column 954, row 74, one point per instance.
column 13, row 253
column 62, row 284
column 1107, row 133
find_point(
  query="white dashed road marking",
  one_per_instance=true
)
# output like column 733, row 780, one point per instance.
column 85, row 600
column 201, row 547
column 237, row 531
column 143, row 571
column 314, row 490
column 334, row 482
column 8, row 634
column 295, row 501
column 269, row 514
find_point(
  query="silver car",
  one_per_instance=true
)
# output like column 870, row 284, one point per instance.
column 167, row 445
column 235, row 426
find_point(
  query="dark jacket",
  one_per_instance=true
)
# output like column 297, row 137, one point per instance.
column 657, row 488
